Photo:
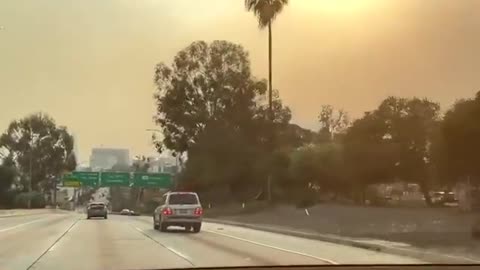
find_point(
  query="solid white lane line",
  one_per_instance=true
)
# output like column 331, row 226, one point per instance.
column 174, row 251
column 179, row 253
column 52, row 248
column 21, row 225
column 273, row 247
column 54, row 244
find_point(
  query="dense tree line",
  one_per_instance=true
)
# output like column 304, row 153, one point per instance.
column 215, row 112
column 34, row 152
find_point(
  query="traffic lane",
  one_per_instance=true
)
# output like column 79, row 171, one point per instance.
column 286, row 247
column 26, row 240
column 111, row 243
column 208, row 250
column 126, row 242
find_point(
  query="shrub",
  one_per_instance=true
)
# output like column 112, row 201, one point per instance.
column 7, row 199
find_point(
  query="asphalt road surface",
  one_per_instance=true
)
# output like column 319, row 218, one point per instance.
column 69, row 241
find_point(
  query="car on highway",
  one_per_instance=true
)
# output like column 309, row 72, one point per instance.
column 134, row 213
column 97, row 209
column 181, row 209
column 443, row 198
column 125, row 212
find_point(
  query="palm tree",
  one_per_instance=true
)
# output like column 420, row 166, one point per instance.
column 266, row 11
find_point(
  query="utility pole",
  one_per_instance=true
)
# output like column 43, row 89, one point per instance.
column 29, row 202
column 55, row 193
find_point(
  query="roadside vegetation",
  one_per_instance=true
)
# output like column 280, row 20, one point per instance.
column 34, row 153
column 214, row 114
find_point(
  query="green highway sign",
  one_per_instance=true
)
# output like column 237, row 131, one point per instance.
column 124, row 179
column 154, row 180
column 70, row 183
column 109, row 179
column 85, row 178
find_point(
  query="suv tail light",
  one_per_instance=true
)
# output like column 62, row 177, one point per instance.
column 198, row 211
column 167, row 211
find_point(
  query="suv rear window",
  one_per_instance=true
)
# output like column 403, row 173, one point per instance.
column 97, row 206
column 186, row 198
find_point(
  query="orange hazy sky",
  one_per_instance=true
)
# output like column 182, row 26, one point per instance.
column 89, row 63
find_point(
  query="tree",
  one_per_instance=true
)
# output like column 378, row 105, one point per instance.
column 223, row 158
column 7, row 178
column 332, row 122
column 441, row 165
column 40, row 150
column 370, row 156
column 293, row 136
column 266, row 11
column 395, row 139
column 206, row 82
column 209, row 105
column 460, row 132
column 141, row 164
column 71, row 162
column 317, row 167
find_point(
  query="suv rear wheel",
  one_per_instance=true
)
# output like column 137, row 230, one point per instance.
column 196, row 227
column 155, row 225
column 163, row 227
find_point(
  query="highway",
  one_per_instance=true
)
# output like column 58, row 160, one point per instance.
column 67, row 240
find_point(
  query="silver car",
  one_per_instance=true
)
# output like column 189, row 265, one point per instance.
column 97, row 209
column 125, row 212
column 181, row 209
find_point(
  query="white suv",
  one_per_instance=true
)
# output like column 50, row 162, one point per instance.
column 179, row 209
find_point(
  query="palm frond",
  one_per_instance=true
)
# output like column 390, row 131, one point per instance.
column 265, row 10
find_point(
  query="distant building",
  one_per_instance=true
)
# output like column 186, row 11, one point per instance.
column 106, row 158
column 162, row 164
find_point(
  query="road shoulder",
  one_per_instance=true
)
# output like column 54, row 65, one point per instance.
column 27, row 212
column 369, row 244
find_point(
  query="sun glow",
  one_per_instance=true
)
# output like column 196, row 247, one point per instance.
column 334, row 7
